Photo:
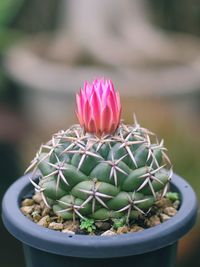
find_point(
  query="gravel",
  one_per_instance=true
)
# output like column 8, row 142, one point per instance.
column 35, row 209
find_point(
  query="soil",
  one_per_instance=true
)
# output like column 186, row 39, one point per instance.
column 34, row 208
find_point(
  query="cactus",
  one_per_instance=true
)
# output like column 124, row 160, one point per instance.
column 101, row 169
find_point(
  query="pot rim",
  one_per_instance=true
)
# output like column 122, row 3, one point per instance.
column 85, row 246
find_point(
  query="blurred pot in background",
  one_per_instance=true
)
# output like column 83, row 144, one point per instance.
column 142, row 59
column 157, row 73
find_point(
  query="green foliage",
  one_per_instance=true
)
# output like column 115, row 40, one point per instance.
column 119, row 222
column 173, row 196
column 88, row 225
column 8, row 10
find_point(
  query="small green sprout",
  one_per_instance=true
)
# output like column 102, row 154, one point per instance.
column 119, row 222
column 173, row 196
column 88, row 225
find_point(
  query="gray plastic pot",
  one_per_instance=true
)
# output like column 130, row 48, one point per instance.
column 43, row 247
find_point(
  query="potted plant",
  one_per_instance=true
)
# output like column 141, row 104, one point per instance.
column 98, row 171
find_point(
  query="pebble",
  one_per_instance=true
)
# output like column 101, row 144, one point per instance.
column 136, row 228
column 37, row 198
column 71, row 226
column 37, row 208
column 42, row 205
column 27, row 209
column 59, row 219
column 45, row 211
column 27, row 202
column 153, row 221
column 55, row 226
column 176, row 204
column 164, row 217
column 66, row 231
column 103, row 225
column 163, row 203
column 122, row 230
column 170, row 211
column 36, row 216
column 44, row 221
column 108, row 233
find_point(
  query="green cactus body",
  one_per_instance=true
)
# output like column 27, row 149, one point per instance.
column 82, row 175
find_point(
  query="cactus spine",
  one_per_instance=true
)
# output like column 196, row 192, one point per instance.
column 82, row 175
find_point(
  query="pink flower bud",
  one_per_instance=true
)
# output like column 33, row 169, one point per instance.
column 98, row 107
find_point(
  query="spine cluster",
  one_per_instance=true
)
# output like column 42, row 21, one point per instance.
column 87, row 176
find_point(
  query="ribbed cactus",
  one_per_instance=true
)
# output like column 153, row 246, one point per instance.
column 101, row 169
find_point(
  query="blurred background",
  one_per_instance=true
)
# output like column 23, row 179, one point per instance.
column 151, row 50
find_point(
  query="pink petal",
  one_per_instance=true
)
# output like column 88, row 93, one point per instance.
column 98, row 107
column 118, row 101
column 113, row 127
column 79, row 110
column 113, row 105
column 79, row 118
column 87, row 114
column 106, row 119
column 111, row 86
column 91, row 126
